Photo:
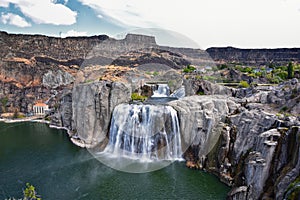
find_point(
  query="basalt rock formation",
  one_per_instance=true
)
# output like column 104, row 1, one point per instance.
column 37, row 68
column 254, row 56
column 252, row 150
column 92, row 107
column 247, row 137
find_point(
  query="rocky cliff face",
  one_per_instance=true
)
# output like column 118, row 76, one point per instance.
column 30, row 63
column 92, row 106
column 234, row 133
column 242, row 140
column 254, row 56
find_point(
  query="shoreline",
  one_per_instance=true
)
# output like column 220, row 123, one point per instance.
column 75, row 141
column 9, row 121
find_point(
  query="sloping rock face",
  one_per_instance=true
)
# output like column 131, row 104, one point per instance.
column 92, row 106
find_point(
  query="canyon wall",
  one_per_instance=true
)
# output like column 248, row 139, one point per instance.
column 236, row 134
column 254, row 57
column 243, row 138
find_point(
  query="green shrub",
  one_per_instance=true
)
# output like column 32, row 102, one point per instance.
column 189, row 69
column 244, row 84
column 30, row 193
column 245, row 69
column 284, row 109
column 198, row 77
column 283, row 75
column 155, row 74
column 223, row 66
column 137, row 97
column 4, row 101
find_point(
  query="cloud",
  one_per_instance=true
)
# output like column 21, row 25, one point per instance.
column 4, row 4
column 14, row 19
column 73, row 33
column 123, row 12
column 210, row 23
column 44, row 11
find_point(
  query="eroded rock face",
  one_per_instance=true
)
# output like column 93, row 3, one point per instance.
column 63, row 115
column 251, row 158
column 194, row 86
column 58, row 78
column 201, row 118
column 92, row 107
column 249, row 148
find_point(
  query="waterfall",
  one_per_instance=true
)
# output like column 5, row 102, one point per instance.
column 163, row 90
column 144, row 132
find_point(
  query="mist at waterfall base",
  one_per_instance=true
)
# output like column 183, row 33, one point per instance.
column 32, row 152
column 143, row 137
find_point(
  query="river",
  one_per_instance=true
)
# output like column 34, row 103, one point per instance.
column 45, row 157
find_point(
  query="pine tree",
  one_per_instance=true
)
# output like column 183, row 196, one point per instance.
column 290, row 70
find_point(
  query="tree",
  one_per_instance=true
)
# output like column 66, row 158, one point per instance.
column 290, row 70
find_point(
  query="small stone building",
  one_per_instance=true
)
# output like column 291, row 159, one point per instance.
column 40, row 108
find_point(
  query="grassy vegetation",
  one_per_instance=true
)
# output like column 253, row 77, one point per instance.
column 200, row 93
column 244, row 84
column 210, row 78
column 137, row 97
column 189, row 69
column 155, row 73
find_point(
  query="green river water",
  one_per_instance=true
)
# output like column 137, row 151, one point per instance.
column 32, row 152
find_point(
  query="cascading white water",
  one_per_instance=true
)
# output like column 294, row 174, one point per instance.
column 145, row 132
column 143, row 137
column 163, row 90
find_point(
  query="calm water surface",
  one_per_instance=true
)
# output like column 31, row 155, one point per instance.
column 32, row 152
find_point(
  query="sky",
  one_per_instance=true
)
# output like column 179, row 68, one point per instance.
column 202, row 23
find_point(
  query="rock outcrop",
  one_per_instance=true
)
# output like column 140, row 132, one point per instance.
column 201, row 119
column 249, row 148
column 92, row 106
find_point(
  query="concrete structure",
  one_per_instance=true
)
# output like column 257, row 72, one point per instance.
column 40, row 108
